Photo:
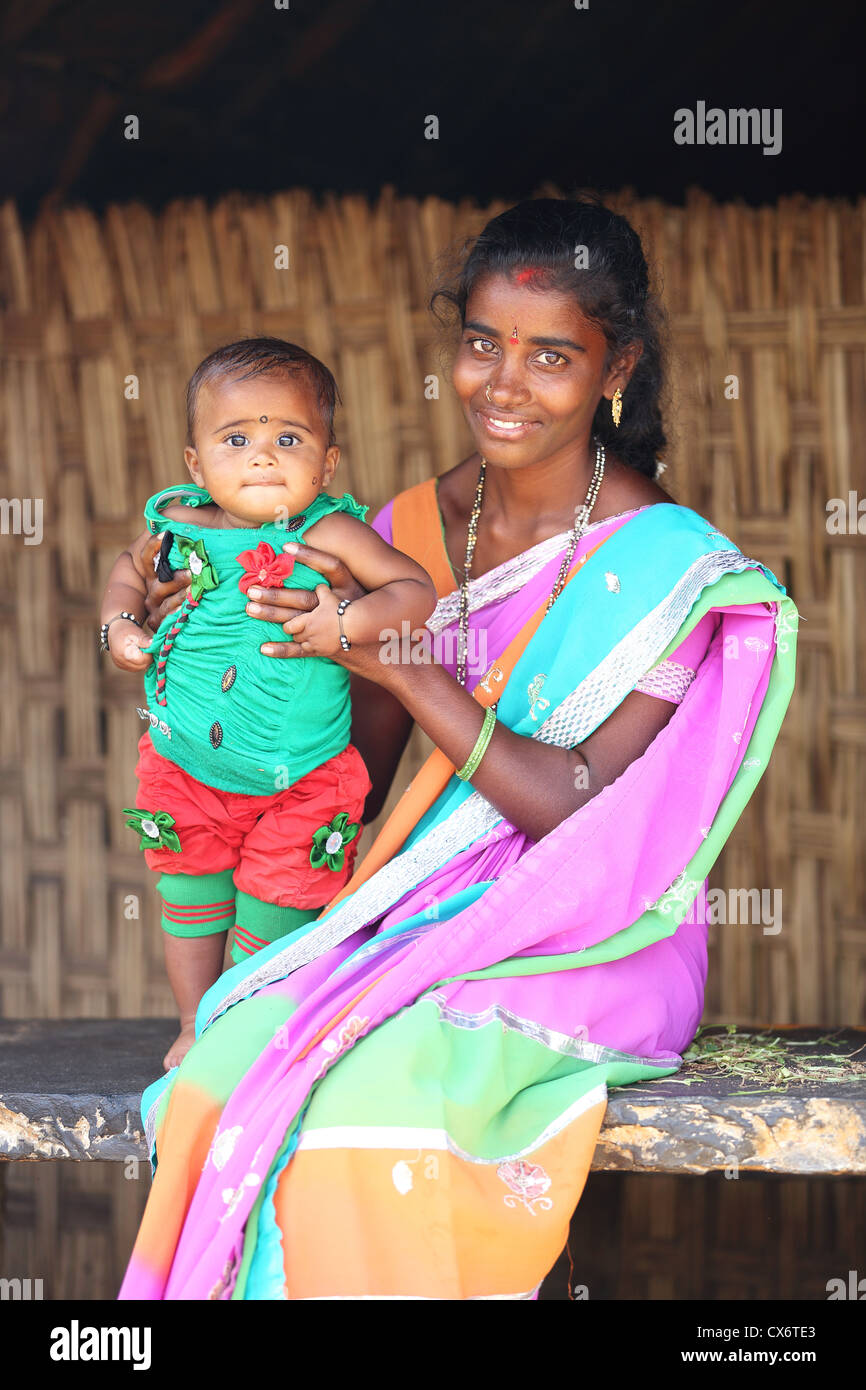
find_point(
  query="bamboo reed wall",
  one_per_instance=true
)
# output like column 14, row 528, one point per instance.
column 776, row 296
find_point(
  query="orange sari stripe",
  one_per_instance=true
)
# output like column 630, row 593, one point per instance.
column 323, row 1032
column 416, row 529
column 324, row 1198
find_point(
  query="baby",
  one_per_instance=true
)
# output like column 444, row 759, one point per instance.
column 250, row 794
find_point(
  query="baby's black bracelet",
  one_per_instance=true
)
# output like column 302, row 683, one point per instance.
column 103, row 631
column 341, row 608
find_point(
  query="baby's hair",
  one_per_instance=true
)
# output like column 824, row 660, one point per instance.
column 251, row 357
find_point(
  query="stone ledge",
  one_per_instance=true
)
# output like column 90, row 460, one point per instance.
column 69, row 1089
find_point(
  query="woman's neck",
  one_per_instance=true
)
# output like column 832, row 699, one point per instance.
column 542, row 495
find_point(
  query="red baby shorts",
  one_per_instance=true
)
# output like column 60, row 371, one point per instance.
column 266, row 840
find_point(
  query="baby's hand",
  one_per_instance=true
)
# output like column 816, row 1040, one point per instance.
column 125, row 642
column 318, row 633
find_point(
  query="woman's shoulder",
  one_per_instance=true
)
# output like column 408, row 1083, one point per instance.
column 634, row 492
column 624, row 490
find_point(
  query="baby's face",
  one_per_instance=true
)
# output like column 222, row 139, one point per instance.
column 261, row 449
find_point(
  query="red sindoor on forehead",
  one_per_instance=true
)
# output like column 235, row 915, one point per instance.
column 525, row 277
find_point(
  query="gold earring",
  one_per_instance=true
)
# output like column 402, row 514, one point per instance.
column 616, row 407
column 487, row 391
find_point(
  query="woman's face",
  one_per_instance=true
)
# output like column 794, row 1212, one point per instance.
column 529, row 400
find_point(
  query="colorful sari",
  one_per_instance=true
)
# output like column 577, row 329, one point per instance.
column 402, row 1100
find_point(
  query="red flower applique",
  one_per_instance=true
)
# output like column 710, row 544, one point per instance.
column 265, row 567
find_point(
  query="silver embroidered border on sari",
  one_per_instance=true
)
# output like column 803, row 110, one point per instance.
column 554, row 1041
column 507, row 578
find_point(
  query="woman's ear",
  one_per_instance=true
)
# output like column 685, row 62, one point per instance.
column 190, row 458
column 620, row 371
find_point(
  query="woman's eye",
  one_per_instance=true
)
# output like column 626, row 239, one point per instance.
column 556, row 356
column 484, row 345
column 288, row 437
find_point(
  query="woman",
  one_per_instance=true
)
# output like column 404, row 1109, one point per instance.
column 403, row 1100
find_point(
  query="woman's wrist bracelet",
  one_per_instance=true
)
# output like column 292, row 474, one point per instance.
column 470, row 767
column 103, row 631
column 341, row 608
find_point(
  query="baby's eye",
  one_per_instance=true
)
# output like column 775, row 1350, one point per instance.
column 291, row 438
column 237, row 441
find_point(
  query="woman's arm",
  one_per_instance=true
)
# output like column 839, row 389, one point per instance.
column 532, row 784
column 380, row 731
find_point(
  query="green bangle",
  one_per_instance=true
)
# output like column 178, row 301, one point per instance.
column 470, row 767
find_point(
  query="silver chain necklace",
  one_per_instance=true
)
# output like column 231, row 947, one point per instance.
column 584, row 512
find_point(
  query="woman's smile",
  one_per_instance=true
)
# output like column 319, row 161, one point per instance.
column 499, row 425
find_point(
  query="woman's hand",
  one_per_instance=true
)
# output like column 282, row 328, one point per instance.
column 295, row 609
column 163, row 597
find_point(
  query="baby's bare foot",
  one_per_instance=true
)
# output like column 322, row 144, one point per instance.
column 180, row 1047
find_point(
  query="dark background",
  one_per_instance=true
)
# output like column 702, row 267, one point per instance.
column 332, row 95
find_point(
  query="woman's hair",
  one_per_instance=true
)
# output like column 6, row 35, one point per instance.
column 580, row 246
column 256, row 356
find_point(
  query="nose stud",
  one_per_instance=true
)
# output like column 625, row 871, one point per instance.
column 487, row 392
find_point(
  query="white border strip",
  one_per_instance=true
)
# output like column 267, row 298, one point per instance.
column 414, row 1138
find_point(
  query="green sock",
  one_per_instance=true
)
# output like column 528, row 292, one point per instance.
column 197, row 904
column 258, row 924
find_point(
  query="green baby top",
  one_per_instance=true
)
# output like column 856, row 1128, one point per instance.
column 228, row 715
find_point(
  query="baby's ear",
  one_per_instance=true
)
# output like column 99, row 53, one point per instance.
column 332, row 463
column 190, row 458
